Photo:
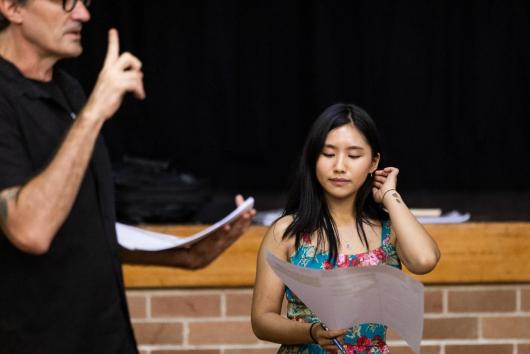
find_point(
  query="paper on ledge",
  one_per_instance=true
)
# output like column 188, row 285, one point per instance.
column 135, row 238
column 452, row 217
column 345, row 297
column 267, row 217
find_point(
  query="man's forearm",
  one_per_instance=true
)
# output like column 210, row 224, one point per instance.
column 179, row 257
column 32, row 219
column 41, row 206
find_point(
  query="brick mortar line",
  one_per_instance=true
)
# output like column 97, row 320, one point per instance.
column 249, row 290
column 227, row 318
column 393, row 343
column 513, row 341
column 462, row 341
column 445, row 301
column 185, row 332
column 222, row 305
column 223, row 347
column 441, row 343
column 479, row 328
column 148, row 307
column 462, row 315
column 518, row 300
column 246, row 320
column 189, row 292
column 480, row 287
column 191, row 319
column 433, row 315
column 205, row 346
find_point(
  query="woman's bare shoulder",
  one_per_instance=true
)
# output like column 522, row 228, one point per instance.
column 275, row 233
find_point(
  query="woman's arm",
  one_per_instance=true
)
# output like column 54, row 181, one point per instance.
column 267, row 323
column 415, row 247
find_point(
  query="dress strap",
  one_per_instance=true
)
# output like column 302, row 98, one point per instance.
column 385, row 231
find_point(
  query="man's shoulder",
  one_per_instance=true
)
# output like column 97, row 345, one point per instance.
column 9, row 76
column 63, row 76
column 8, row 92
column 69, row 84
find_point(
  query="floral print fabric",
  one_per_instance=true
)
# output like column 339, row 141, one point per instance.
column 367, row 338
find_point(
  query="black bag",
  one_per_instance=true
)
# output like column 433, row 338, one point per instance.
column 152, row 191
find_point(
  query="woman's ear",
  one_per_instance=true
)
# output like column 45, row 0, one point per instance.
column 375, row 162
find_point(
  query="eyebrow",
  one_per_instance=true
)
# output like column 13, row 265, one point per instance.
column 353, row 147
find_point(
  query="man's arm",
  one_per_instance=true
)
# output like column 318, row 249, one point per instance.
column 31, row 214
column 199, row 254
column 6, row 196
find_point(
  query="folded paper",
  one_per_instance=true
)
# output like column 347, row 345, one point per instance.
column 135, row 238
column 346, row 297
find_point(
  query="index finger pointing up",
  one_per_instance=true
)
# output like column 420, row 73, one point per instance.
column 113, row 47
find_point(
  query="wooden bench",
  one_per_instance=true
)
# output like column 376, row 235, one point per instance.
column 471, row 253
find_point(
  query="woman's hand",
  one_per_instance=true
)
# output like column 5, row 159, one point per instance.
column 415, row 247
column 384, row 180
column 325, row 338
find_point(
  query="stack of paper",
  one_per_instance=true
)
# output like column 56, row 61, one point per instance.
column 134, row 238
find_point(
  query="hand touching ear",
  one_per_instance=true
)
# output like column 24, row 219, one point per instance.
column 384, row 180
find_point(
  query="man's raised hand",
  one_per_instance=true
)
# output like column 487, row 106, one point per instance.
column 120, row 74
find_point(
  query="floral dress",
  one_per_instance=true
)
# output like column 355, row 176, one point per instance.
column 366, row 338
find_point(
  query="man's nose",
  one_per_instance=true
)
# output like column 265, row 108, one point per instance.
column 80, row 12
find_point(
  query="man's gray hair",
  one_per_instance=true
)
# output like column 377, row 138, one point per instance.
column 4, row 22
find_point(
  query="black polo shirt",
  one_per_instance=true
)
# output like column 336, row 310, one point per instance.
column 72, row 299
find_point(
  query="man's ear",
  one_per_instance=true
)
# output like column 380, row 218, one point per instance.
column 11, row 11
column 375, row 162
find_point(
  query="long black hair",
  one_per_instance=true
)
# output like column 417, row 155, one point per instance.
column 306, row 202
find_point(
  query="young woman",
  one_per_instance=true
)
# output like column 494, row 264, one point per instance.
column 341, row 212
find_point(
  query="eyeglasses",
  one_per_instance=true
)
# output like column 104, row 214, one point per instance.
column 69, row 5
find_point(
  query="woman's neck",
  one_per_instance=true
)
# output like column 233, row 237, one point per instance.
column 343, row 211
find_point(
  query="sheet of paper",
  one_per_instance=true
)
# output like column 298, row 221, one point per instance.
column 343, row 298
column 135, row 238
column 452, row 217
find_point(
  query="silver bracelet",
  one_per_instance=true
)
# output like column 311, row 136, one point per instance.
column 383, row 197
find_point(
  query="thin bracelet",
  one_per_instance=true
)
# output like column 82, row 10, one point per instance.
column 383, row 197
column 311, row 331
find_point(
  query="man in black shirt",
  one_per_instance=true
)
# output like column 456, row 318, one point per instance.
column 59, row 259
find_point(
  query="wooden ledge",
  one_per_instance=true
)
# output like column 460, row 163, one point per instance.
column 471, row 253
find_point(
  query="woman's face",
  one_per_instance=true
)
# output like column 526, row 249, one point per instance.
column 344, row 162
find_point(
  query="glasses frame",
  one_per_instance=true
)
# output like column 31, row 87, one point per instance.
column 74, row 4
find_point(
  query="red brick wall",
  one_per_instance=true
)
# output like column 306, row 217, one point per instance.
column 458, row 319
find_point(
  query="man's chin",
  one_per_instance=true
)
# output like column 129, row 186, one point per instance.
column 73, row 52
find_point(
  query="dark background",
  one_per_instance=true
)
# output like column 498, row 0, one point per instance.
column 233, row 86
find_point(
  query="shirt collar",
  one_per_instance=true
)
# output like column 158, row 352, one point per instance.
column 16, row 78
column 24, row 86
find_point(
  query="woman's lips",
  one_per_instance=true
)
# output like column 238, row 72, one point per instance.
column 339, row 181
